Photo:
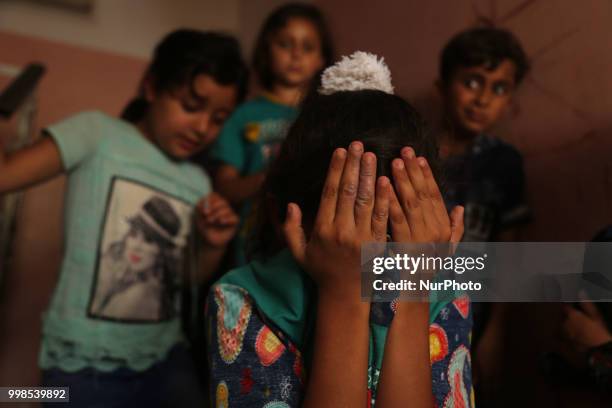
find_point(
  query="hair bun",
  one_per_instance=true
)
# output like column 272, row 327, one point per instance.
column 359, row 71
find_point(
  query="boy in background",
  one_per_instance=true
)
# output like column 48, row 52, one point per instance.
column 480, row 70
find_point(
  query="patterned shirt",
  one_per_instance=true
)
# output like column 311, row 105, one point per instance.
column 253, row 364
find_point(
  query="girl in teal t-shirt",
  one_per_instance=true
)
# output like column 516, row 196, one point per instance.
column 112, row 331
column 291, row 50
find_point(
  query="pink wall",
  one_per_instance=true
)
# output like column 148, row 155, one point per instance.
column 562, row 122
column 76, row 79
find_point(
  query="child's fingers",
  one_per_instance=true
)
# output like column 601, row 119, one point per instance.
column 214, row 208
column 329, row 196
column 407, row 199
column 228, row 219
column 221, row 215
column 364, row 203
column 380, row 215
column 345, row 210
column 415, row 172
column 294, row 233
column 400, row 230
column 211, row 202
column 435, row 195
column 403, row 186
column 567, row 309
column 590, row 310
column 569, row 323
column 213, row 205
column 213, row 196
column 414, row 167
column 456, row 220
column 202, row 205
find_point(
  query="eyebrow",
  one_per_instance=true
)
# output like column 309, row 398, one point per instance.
column 191, row 91
column 198, row 98
column 481, row 76
column 473, row 75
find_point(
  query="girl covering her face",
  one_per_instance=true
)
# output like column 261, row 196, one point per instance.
column 290, row 328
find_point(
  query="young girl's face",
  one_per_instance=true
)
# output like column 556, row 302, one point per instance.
column 183, row 121
column 296, row 53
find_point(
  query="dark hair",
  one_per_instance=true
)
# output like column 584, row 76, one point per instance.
column 482, row 46
column 277, row 20
column 182, row 55
column 384, row 123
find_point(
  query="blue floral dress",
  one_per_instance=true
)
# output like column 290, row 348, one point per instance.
column 255, row 363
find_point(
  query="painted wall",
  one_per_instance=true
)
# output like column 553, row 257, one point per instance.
column 121, row 27
column 76, row 79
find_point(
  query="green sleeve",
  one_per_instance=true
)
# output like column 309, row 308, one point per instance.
column 76, row 137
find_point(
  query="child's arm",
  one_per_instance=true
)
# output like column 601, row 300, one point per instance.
column 231, row 151
column 217, row 224
column 351, row 212
column 405, row 378
column 29, row 166
column 336, row 379
column 235, row 187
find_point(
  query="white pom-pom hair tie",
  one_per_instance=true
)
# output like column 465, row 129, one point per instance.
column 359, row 71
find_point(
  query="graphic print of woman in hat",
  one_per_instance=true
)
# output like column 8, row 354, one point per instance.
column 137, row 275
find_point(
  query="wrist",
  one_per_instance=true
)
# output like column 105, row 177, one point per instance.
column 412, row 311
column 346, row 302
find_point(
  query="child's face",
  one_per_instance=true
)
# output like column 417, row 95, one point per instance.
column 296, row 53
column 182, row 122
column 476, row 98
